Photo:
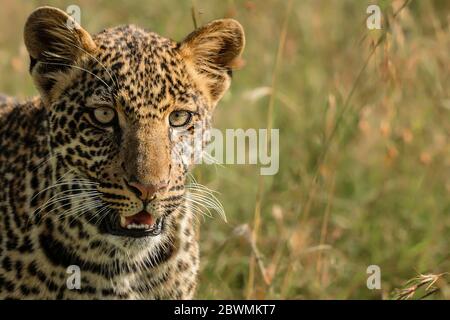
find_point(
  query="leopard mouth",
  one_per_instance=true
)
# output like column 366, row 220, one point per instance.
column 140, row 225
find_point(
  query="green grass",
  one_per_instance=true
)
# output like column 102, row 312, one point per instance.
column 364, row 142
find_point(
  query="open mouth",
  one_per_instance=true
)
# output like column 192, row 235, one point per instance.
column 142, row 224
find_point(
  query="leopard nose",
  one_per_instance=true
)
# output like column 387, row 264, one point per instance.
column 145, row 192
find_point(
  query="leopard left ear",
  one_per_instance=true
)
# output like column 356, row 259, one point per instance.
column 55, row 42
column 212, row 52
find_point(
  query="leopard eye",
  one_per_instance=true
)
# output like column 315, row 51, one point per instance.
column 179, row 118
column 104, row 115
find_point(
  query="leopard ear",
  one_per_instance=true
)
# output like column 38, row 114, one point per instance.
column 212, row 52
column 55, row 42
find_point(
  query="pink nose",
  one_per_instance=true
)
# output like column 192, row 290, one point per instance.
column 146, row 192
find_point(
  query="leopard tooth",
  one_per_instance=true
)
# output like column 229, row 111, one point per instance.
column 123, row 222
column 138, row 226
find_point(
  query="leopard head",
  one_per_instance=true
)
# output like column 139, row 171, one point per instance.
column 121, row 102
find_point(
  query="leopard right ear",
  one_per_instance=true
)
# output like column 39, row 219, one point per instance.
column 56, row 43
column 211, row 53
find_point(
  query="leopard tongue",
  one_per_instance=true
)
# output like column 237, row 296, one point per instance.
column 141, row 218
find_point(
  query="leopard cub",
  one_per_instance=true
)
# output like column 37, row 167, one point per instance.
column 89, row 170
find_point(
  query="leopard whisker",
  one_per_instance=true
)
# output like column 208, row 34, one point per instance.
column 56, row 186
column 54, row 200
column 43, row 162
column 189, row 208
column 71, row 197
column 79, row 68
column 199, row 207
column 114, row 80
column 73, row 192
column 61, row 182
column 80, row 209
column 104, row 215
column 211, row 202
column 206, row 197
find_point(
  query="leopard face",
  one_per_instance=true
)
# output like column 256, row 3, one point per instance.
column 120, row 105
column 121, row 133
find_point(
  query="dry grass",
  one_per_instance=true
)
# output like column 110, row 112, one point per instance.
column 364, row 143
column 429, row 283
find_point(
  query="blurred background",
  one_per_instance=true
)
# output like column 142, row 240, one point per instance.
column 364, row 126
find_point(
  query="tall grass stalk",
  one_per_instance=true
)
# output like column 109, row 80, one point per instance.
column 269, row 125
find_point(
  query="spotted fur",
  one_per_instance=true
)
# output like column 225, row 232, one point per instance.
column 63, row 175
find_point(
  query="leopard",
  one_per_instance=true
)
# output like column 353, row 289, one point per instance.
column 95, row 201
